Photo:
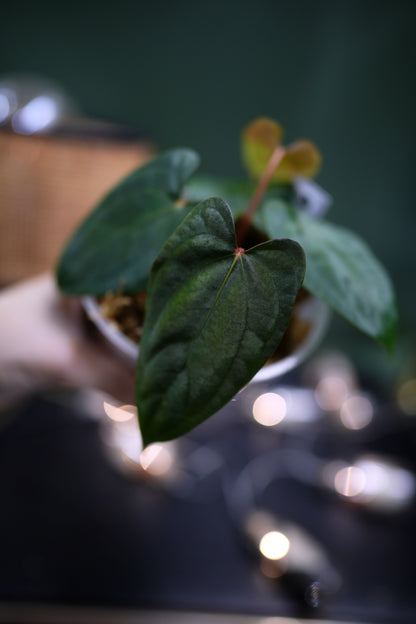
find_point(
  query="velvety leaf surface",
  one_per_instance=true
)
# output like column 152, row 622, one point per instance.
column 340, row 269
column 212, row 319
column 116, row 245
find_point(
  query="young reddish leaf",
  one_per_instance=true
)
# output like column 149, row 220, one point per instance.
column 302, row 159
column 259, row 140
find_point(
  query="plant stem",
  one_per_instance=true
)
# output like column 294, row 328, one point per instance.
column 245, row 221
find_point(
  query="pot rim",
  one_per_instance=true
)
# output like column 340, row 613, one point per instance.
column 314, row 310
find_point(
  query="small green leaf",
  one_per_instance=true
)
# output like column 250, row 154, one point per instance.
column 115, row 246
column 340, row 269
column 213, row 318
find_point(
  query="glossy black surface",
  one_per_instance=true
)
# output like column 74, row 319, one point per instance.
column 75, row 530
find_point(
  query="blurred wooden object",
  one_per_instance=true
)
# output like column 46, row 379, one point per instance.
column 47, row 185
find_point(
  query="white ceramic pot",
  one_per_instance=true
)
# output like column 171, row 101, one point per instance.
column 312, row 310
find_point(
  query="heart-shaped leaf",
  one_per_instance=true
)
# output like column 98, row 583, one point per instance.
column 116, row 245
column 340, row 269
column 214, row 316
column 258, row 141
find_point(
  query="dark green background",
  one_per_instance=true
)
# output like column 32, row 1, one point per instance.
column 187, row 73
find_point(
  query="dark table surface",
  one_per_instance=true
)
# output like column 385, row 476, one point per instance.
column 76, row 530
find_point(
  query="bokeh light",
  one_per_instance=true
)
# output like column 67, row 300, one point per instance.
column 269, row 409
column 274, row 545
column 350, row 481
column 157, row 459
column 36, row 115
column 331, row 392
column 120, row 414
column 356, row 412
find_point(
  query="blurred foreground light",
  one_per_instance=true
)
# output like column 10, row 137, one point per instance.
column 350, row 481
column 286, row 407
column 356, row 412
column 120, row 414
column 289, row 550
column 123, row 438
column 277, row 620
column 157, row 459
column 274, row 545
column 131, row 446
column 331, row 392
column 269, row 409
column 406, row 397
column 121, row 432
column 389, row 487
column 372, row 482
column 37, row 115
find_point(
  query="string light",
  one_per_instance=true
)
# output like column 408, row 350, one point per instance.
column 373, row 482
column 287, row 549
column 356, row 412
column 274, row 545
column 269, row 409
column 331, row 392
column 350, row 481
column 120, row 414
column 157, row 459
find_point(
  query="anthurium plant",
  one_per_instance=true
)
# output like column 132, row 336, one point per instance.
column 221, row 262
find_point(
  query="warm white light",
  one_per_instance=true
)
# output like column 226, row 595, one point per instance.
column 373, row 482
column 37, row 115
column 277, row 620
column 350, row 481
column 269, row 409
column 406, row 397
column 388, row 487
column 131, row 447
column 331, row 392
column 274, row 545
column 156, row 459
column 120, row 414
column 356, row 412
column 123, row 434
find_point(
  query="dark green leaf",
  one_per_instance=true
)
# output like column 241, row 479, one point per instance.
column 212, row 319
column 340, row 269
column 115, row 246
column 236, row 193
